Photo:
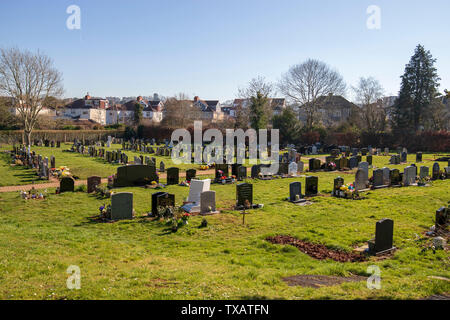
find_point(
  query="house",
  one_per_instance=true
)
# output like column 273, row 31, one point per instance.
column 89, row 108
column 152, row 110
column 331, row 110
column 210, row 109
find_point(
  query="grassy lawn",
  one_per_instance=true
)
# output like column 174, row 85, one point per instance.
column 140, row 259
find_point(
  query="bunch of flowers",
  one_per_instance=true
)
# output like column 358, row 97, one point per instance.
column 204, row 167
column 332, row 165
column 60, row 172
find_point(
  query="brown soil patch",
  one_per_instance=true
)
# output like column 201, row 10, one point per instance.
column 318, row 251
column 444, row 296
column 313, row 281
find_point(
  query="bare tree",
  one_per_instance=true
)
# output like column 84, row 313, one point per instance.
column 179, row 112
column 304, row 83
column 30, row 79
column 251, row 90
column 368, row 95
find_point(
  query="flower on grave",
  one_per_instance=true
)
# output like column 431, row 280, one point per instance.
column 154, row 183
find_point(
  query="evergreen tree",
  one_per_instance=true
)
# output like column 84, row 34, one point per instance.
column 419, row 86
column 258, row 114
column 138, row 113
column 288, row 124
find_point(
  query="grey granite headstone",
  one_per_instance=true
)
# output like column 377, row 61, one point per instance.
column 121, row 206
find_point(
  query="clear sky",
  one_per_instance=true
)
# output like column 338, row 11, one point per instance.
column 211, row 47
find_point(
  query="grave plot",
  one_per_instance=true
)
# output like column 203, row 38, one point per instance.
column 317, row 251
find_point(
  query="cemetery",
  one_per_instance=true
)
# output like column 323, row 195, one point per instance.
column 141, row 226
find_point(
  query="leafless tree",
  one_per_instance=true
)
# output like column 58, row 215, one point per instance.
column 368, row 95
column 258, row 84
column 179, row 112
column 29, row 79
column 304, row 83
column 438, row 115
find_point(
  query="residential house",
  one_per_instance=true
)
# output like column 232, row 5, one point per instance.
column 210, row 109
column 88, row 108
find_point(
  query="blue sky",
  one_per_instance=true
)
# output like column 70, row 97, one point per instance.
column 210, row 47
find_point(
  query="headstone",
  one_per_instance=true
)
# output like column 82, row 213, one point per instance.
column 300, row 166
column 190, row 174
column 241, row 173
column 311, row 186
column 208, row 202
column 92, row 182
column 162, row 166
column 378, row 178
column 173, row 176
column 67, row 184
column 384, row 233
column 292, row 170
column 409, row 176
column 360, row 180
column 395, row 177
column 295, row 192
column 162, row 199
column 353, row 162
column 195, row 189
column 419, row 157
column 244, row 194
column 338, row 183
column 121, row 206
column 386, row 176
column 436, row 169
column 365, row 167
column 424, row 172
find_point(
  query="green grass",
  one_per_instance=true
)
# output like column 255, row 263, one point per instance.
column 140, row 259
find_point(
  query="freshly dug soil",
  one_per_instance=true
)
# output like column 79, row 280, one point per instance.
column 313, row 281
column 318, row 251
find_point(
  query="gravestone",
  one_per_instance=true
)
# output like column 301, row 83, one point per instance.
column 365, row 167
column 208, row 202
column 378, row 178
column 241, row 173
column 221, row 170
column 369, row 159
column 67, row 184
column 283, row 168
column 360, row 180
column 256, row 169
column 190, row 174
column 409, row 176
column 386, row 176
column 442, row 218
column 295, row 192
column 419, row 157
column 195, row 189
column 424, row 172
column 52, row 162
column 292, row 170
column 173, row 176
column 92, row 182
column 395, row 177
column 244, row 194
column 338, row 183
column 435, row 171
column 162, row 166
column 404, row 157
column 135, row 175
column 384, row 233
column 121, row 206
column 353, row 162
column 162, row 199
column 314, row 164
column 300, row 166
column 311, row 186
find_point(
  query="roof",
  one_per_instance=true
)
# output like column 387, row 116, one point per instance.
column 208, row 105
column 333, row 102
column 149, row 105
